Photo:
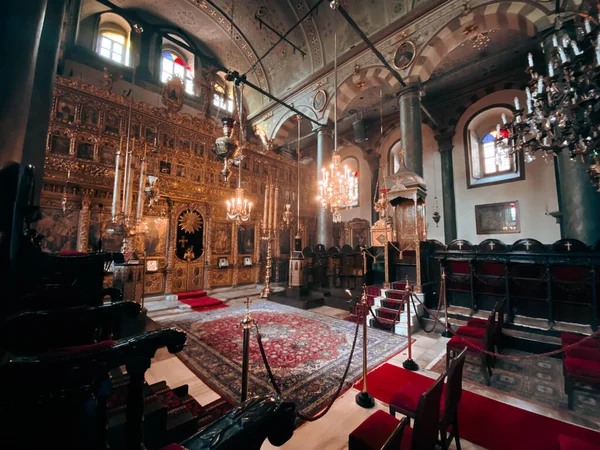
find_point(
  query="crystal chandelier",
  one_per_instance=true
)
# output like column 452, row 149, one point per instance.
column 562, row 110
column 239, row 208
column 337, row 188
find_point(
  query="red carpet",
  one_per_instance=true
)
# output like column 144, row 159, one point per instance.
column 199, row 301
column 483, row 421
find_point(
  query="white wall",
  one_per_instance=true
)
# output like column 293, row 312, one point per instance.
column 365, row 202
column 536, row 194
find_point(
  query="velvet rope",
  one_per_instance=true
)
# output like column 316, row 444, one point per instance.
column 513, row 357
column 276, row 386
column 387, row 326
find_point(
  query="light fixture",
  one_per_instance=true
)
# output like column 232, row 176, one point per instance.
column 561, row 111
column 337, row 188
column 239, row 208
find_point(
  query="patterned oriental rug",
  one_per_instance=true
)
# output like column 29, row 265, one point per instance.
column 308, row 352
column 535, row 379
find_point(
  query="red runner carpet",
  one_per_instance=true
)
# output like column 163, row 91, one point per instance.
column 483, row 421
column 199, row 301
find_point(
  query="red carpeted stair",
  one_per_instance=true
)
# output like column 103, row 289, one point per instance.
column 199, row 301
column 483, row 421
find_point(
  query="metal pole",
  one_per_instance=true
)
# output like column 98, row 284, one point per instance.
column 247, row 323
column 363, row 398
column 409, row 364
column 446, row 332
column 386, row 266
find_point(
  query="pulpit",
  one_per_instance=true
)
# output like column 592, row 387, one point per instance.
column 296, row 270
column 128, row 277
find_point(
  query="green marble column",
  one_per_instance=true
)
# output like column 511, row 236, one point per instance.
column 445, row 147
column 411, row 138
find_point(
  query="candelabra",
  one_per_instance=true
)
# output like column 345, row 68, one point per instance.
column 561, row 111
column 268, row 230
column 337, row 190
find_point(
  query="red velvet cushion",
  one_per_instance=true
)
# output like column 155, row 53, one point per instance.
column 72, row 253
column 570, row 338
column 460, row 267
column 479, row 323
column 569, row 273
column 407, row 398
column 78, row 349
column 471, row 332
column 491, row 269
column 459, row 343
column 571, row 443
column 583, row 368
column 582, row 352
column 373, row 432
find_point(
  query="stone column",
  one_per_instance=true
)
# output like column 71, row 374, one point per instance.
column 324, row 216
column 578, row 200
column 445, row 146
column 83, row 227
column 411, row 138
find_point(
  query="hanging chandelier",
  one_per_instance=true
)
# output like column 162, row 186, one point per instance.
column 562, row 110
column 337, row 188
column 239, row 208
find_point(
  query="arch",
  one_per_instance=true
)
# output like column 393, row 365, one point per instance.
column 113, row 38
column 519, row 16
column 286, row 125
column 349, row 88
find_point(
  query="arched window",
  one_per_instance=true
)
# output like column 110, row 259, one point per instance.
column 173, row 65
column 113, row 38
column 487, row 161
column 222, row 99
column 352, row 166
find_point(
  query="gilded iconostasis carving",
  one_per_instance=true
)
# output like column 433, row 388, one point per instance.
column 89, row 125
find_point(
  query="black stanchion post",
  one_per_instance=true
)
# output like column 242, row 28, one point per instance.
column 409, row 364
column 446, row 332
column 363, row 398
column 247, row 323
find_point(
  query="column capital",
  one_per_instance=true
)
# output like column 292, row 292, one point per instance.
column 445, row 141
column 322, row 129
column 410, row 90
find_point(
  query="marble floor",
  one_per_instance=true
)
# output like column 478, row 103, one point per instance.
column 331, row 432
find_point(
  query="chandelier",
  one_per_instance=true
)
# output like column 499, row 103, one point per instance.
column 562, row 110
column 337, row 188
column 239, row 208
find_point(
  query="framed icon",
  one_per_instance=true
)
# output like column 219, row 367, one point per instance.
column 247, row 261
column 152, row 265
column 319, row 100
column 222, row 263
column 405, row 55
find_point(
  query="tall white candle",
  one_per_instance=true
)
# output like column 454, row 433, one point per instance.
column 517, row 106
column 117, row 185
column 129, row 196
column 266, row 207
column 140, row 200
column 530, row 59
column 275, row 203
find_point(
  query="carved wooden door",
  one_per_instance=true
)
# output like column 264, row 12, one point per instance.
column 189, row 252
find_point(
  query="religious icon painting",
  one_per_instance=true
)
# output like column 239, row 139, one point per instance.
column 184, row 145
column 256, row 167
column 112, row 123
column 59, row 229
column 65, row 110
column 247, row 261
column 180, row 170
column 90, row 116
column 199, row 149
column 221, row 238
column 85, row 150
column 245, row 164
column 246, row 239
column 168, row 140
column 60, row 145
column 319, row 100
column 135, row 131
column 165, row 167
column 405, row 55
column 150, row 135
column 107, row 155
column 155, row 238
column 197, row 176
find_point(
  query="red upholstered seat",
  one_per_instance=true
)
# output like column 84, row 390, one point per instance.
column 583, row 368
column 570, row 338
column 458, row 343
column 582, row 352
column 471, row 332
column 407, row 398
column 479, row 323
column 571, row 443
column 373, row 432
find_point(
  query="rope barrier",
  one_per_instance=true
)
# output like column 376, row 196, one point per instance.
column 514, row 357
column 339, row 389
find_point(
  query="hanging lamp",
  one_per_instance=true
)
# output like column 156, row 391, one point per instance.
column 337, row 186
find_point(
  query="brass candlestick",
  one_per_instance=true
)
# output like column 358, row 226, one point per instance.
column 267, row 289
column 363, row 398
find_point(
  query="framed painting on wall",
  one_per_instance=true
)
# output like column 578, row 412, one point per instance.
column 498, row 218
